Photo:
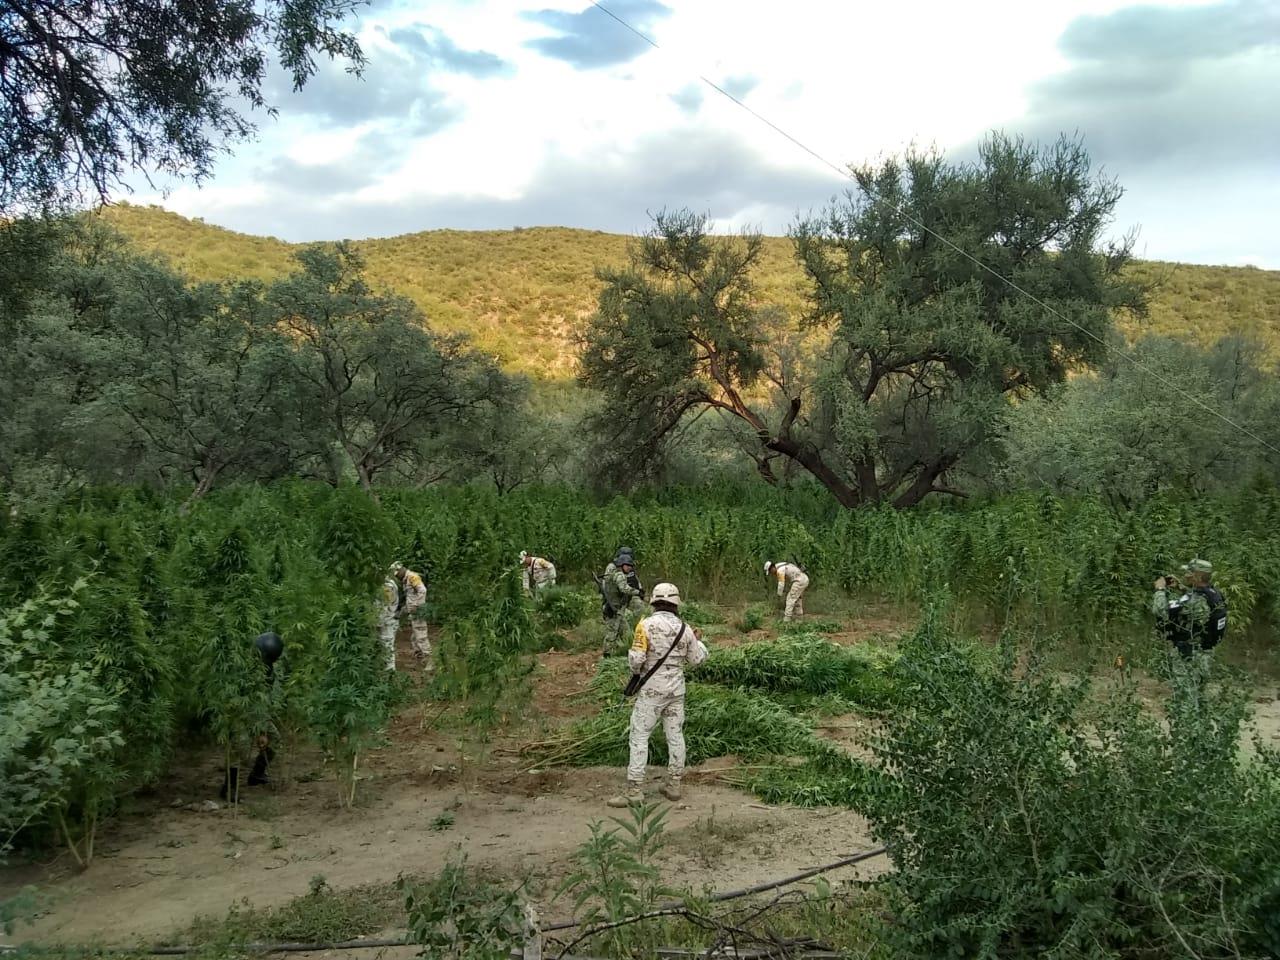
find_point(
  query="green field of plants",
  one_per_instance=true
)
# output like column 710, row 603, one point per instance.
column 127, row 627
column 209, row 436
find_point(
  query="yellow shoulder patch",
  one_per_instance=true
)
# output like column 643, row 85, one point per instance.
column 640, row 642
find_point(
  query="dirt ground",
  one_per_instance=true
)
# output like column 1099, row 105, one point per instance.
column 175, row 857
column 178, row 854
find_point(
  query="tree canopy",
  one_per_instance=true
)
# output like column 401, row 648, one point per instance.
column 91, row 90
column 902, row 368
column 122, row 371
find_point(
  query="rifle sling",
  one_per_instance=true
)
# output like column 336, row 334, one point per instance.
column 657, row 666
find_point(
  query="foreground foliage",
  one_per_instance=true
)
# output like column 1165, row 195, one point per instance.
column 1026, row 818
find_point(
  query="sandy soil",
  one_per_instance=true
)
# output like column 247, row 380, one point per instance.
column 171, row 858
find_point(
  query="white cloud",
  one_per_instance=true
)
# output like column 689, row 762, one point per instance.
column 498, row 116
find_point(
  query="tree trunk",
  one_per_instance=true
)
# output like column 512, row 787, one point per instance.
column 812, row 461
column 922, row 485
column 202, row 488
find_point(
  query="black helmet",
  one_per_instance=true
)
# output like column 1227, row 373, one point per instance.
column 270, row 646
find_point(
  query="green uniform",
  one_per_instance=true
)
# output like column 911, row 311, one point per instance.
column 1183, row 616
column 625, row 600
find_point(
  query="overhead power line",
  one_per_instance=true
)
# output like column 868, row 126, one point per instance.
column 846, row 174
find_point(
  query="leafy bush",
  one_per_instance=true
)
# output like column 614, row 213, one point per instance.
column 350, row 702
column 698, row 614
column 808, row 664
column 485, row 659
column 563, row 608
column 753, row 618
column 59, row 730
column 616, row 877
column 461, row 916
column 1023, row 819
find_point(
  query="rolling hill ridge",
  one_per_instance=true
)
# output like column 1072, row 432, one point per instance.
column 522, row 293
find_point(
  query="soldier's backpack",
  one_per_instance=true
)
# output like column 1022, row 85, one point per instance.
column 1217, row 625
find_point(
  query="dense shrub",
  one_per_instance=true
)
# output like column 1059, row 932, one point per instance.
column 1025, row 819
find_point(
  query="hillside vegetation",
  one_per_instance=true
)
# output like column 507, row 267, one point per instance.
column 521, row 293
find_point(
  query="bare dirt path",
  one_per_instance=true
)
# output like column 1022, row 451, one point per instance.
column 161, row 871
column 163, row 864
column 171, row 860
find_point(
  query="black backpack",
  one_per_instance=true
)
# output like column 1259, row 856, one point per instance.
column 1216, row 628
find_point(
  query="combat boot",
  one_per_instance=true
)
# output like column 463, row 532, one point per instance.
column 633, row 794
column 671, row 790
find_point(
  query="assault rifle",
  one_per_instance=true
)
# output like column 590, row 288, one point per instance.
column 606, row 608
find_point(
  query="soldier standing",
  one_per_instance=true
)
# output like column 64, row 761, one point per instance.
column 1191, row 613
column 621, row 589
column 661, row 649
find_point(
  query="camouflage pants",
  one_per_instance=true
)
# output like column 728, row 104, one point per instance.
column 421, row 642
column 618, row 629
column 617, row 634
column 795, row 598
column 650, row 707
column 387, row 634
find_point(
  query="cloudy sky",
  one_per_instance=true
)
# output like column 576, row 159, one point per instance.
column 498, row 113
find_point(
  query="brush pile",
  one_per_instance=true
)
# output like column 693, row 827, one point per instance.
column 805, row 663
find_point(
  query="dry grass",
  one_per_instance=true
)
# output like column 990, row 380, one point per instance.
column 523, row 293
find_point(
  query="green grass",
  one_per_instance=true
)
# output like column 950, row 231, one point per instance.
column 323, row 915
column 522, row 293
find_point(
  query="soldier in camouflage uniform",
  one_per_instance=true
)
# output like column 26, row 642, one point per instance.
column 1192, row 614
column 622, row 592
column 389, row 617
column 662, row 648
column 539, row 572
column 413, row 598
column 792, row 583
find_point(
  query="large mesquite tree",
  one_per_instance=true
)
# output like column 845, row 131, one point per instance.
column 376, row 379
column 912, row 348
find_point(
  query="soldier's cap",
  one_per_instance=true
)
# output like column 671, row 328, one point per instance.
column 1199, row 566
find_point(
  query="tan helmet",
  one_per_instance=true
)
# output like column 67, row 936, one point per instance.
column 666, row 593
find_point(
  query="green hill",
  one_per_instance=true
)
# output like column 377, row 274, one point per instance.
column 521, row 293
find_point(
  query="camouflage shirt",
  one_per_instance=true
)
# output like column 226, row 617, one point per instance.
column 1190, row 609
column 617, row 590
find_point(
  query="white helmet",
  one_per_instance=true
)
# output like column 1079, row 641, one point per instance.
column 768, row 565
column 397, row 569
column 523, row 554
column 666, row 593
